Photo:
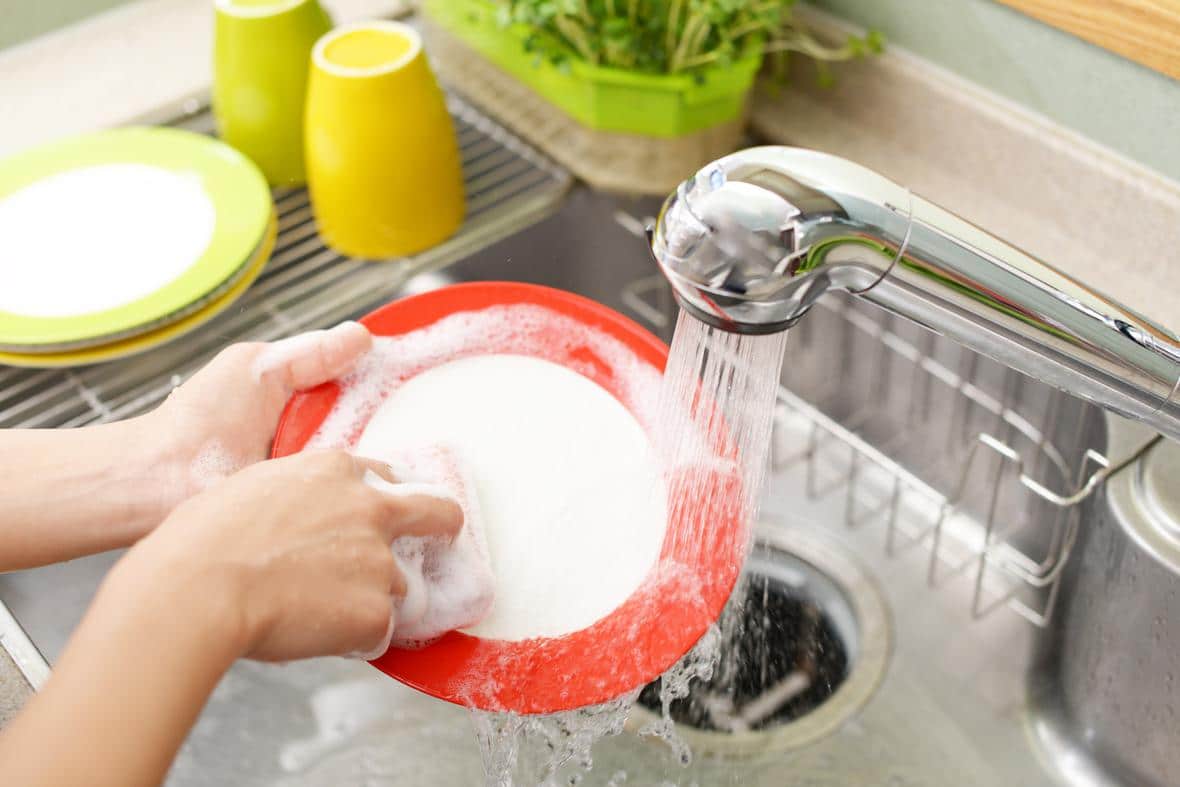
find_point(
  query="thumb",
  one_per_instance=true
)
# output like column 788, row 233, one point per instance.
column 306, row 360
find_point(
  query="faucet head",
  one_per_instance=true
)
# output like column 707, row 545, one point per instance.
column 752, row 240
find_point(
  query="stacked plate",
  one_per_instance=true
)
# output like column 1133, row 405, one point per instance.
column 115, row 242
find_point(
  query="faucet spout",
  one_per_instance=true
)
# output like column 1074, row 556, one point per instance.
column 751, row 241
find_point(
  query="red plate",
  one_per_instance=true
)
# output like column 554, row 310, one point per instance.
column 661, row 621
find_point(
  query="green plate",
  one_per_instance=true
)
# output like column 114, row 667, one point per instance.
column 195, row 211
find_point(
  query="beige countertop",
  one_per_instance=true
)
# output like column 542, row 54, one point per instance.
column 122, row 66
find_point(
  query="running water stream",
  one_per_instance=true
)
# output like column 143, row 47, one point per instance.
column 719, row 388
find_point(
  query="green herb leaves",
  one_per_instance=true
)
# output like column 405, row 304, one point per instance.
column 668, row 36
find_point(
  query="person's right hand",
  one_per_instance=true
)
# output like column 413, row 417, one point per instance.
column 292, row 556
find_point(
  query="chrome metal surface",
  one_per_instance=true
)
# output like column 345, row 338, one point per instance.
column 22, row 668
column 1112, row 657
column 753, row 240
column 25, row 656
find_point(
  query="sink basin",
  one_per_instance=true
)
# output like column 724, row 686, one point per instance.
column 985, row 671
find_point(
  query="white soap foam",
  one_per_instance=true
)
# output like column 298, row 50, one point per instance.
column 519, row 328
column 213, row 463
column 449, row 583
column 571, row 489
column 277, row 355
column 565, row 478
column 409, row 488
column 99, row 237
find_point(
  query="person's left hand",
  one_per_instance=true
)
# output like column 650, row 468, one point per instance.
column 224, row 417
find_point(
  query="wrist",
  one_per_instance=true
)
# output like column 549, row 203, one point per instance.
column 183, row 596
column 149, row 458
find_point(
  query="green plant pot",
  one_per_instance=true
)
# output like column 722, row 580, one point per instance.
column 607, row 99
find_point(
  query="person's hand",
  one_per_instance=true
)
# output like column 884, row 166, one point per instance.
column 289, row 558
column 225, row 416
column 73, row 492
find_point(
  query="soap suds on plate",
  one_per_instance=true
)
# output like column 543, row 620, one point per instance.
column 522, row 329
column 565, row 479
column 449, row 583
column 573, row 499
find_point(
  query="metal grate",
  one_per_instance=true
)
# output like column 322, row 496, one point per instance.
column 304, row 285
column 968, row 463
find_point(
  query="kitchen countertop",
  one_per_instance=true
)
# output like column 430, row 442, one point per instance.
column 92, row 74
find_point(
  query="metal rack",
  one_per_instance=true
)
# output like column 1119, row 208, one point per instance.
column 304, row 286
column 963, row 462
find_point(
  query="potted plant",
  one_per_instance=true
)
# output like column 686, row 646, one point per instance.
column 630, row 94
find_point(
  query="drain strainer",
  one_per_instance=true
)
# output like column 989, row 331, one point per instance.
column 801, row 655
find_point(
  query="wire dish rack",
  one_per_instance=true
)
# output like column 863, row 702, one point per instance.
column 943, row 449
column 304, row 286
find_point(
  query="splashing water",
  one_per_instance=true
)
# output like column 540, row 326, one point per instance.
column 541, row 750
column 717, row 399
column 719, row 389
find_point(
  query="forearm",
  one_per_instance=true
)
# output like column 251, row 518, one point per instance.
column 71, row 492
column 128, row 687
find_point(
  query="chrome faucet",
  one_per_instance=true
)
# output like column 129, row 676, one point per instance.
column 752, row 240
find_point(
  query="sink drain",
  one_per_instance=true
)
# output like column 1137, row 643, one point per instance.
column 802, row 655
column 785, row 658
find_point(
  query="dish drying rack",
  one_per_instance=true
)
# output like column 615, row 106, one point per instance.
column 304, row 286
column 989, row 490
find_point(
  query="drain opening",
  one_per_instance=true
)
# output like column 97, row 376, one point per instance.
column 788, row 648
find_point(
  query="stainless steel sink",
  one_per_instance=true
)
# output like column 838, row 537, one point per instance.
column 971, row 591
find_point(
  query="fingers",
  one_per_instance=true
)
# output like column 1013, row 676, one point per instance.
column 339, row 351
column 306, row 360
column 415, row 510
column 383, row 644
column 376, row 609
column 411, row 509
column 397, row 509
column 381, row 469
column 380, row 620
column 426, row 515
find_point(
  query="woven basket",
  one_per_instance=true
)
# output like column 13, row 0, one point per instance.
column 611, row 161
